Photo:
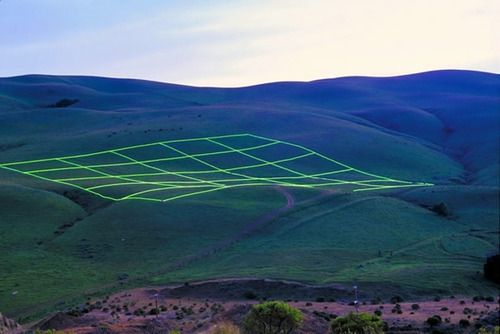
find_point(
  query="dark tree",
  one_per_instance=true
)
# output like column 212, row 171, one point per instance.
column 492, row 268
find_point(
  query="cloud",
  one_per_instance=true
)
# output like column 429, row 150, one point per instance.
column 235, row 43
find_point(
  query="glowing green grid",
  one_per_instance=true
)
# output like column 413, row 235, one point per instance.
column 169, row 170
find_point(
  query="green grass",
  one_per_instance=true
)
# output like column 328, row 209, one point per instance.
column 332, row 239
column 327, row 240
column 188, row 167
column 135, row 237
column 398, row 244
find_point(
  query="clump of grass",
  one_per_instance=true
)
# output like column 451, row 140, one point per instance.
column 225, row 327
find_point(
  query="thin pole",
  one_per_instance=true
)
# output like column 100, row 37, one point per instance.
column 356, row 303
column 157, row 310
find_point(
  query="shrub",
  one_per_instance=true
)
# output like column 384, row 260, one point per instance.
column 415, row 306
column 434, row 320
column 496, row 330
column 139, row 311
column 396, row 299
column 378, row 312
column 464, row 323
column 441, row 209
column 272, row 318
column 357, row 323
column 397, row 309
column 250, row 295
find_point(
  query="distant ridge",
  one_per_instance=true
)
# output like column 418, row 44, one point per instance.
column 448, row 108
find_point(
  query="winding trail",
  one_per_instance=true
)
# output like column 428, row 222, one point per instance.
column 291, row 203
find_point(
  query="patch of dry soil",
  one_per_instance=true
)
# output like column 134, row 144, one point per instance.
column 198, row 307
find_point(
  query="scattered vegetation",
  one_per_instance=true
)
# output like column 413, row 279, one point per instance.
column 397, row 309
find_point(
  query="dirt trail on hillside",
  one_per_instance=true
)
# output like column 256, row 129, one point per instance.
column 291, row 203
column 324, row 213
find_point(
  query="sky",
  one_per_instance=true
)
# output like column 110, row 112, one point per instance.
column 234, row 43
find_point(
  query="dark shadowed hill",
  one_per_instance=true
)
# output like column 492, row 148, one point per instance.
column 439, row 128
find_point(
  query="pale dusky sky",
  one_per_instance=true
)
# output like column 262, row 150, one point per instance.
column 231, row 43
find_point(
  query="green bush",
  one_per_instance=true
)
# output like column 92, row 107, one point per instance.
column 272, row 318
column 357, row 323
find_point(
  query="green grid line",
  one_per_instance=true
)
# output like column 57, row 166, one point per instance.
column 196, row 182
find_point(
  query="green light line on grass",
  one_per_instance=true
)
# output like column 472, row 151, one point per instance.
column 174, row 169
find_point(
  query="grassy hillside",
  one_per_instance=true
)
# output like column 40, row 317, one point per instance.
column 60, row 242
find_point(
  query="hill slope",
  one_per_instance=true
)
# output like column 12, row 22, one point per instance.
column 438, row 127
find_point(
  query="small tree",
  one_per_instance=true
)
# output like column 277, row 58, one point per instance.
column 357, row 323
column 272, row 318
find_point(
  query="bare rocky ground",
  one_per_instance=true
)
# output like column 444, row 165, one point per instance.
column 198, row 307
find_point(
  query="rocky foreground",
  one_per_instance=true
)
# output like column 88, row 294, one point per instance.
column 200, row 307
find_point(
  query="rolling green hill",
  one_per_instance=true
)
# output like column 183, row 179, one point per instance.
column 286, row 164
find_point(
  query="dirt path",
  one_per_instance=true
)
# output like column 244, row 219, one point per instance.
column 291, row 203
